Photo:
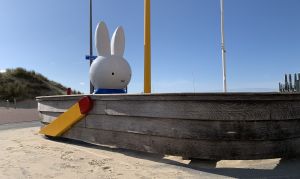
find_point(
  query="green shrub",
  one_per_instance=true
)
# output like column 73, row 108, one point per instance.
column 22, row 84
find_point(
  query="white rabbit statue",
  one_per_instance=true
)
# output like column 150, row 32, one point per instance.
column 110, row 72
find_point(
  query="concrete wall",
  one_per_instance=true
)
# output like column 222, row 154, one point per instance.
column 26, row 104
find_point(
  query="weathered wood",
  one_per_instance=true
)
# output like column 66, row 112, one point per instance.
column 48, row 117
column 62, row 106
column 55, row 106
column 191, row 129
column 204, row 149
column 209, row 126
column 272, row 96
column 213, row 110
column 197, row 129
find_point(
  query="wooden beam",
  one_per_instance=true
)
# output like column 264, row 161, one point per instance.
column 66, row 120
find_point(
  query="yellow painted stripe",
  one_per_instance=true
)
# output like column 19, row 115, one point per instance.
column 63, row 122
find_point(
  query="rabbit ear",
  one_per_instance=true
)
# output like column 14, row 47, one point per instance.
column 118, row 42
column 102, row 40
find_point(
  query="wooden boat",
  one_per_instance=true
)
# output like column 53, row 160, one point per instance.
column 194, row 125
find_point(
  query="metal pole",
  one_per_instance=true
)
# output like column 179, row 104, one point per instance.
column 91, row 42
column 147, row 47
column 223, row 47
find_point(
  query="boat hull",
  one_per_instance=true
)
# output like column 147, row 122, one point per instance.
column 202, row 125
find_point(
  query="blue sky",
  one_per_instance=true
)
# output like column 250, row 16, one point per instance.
column 262, row 41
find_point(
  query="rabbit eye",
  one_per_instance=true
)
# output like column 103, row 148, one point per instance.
column 112, row 73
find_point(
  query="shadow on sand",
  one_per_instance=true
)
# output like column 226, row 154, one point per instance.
column 286, row 168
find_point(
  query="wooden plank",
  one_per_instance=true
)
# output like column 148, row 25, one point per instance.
column 68, row 119
column 48, row 117
column 265, row 96
column 192, row 129
column 226, row 110
column 62, row 106
column 189, row 110
column 205, row 110
column 284, row 110
column 204, row 149
column 209, row 126
column 177, row 128
column 55, row 106
column 63, row 122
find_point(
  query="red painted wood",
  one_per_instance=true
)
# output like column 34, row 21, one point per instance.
column 69, row 91
column 85, row 104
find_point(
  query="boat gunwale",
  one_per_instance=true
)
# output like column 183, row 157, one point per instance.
column 245, row 96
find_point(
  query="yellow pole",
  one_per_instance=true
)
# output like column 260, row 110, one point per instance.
column 147, row 47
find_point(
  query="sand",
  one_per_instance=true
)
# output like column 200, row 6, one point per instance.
column 26, row 154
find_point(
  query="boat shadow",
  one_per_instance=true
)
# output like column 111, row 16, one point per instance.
column 285, row 168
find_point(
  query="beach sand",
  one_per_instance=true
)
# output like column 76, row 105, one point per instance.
column 26, row 154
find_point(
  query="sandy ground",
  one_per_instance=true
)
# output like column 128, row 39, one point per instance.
column 26, row 154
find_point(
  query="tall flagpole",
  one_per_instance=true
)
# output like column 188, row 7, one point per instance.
column 223, row 47
column 147, row 46
column 91, row 42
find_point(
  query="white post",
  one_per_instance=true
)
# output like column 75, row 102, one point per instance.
column 91, row 42
column 223, row 47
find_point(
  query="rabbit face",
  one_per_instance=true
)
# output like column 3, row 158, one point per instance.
column 110, row 70
column 110, row 73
